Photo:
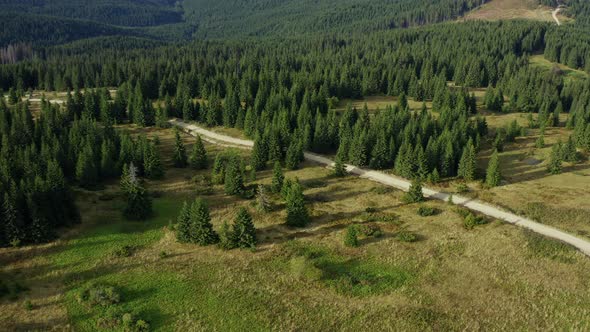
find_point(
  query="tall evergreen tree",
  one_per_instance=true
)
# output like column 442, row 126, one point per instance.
column 243, row 231
column 179, row 157
column 152, row 164
column 468, row 163
column 183, row 224
column 262, row 201
column 86, row 170
column 138, row 201
column 259, row 153
column 555, row 162
column 202, row 232
column 198, row 156
column 493, row 174
column 234, row 180
column 414, row 195
column 297, row 214
column 277, row 178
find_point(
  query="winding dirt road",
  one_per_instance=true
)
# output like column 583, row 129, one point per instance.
column 554, row 14
column 403, row 184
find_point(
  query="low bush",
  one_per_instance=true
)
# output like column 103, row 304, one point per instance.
column 426, row 211
column 380, row 217
column 11, row 289
column 203, row 184
column 124, row 251
column 113, row 319
column 99, row 295
column 472, row 220
column 406, row 236
column 351, row 237
column 381, row 190
column 370, row 210
column 370, row 230
column 462, row 188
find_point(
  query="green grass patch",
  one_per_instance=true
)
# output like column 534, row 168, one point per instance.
column 568, row 73
column 352, row 277
column 163, row 296
column 111, row 233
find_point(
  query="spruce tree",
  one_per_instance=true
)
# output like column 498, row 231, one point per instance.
column 179, row 157
column 259, row 153
column 86, row 170
column 243, row 231
column 493, row 175
column 277, row 178
column 414, row 194
column 202, row 232
column 339, row 168
column 294, row 155
column 183, row 224
column 467, row 164
column 434, row 176
column 379, row 154
column 39, row 229
column 226, row 241
column 297, row 214
column 234, row 180
column 262, row 201
column 218, row 170
column 152, row 165
column 570, row 153
column 139, row 203
column 555, row 162
column 198, row 156
column 13, row 226
column 107, row 159
column 161, row 117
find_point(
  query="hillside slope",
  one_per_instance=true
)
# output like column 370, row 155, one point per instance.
column 231, row 18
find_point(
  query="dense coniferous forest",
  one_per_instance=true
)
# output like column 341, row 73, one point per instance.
column 279, row 91
column 271, row 17
column 121, row 12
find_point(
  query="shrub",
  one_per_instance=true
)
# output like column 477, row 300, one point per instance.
column 28, row 305
column 370, row 230
column 370, row 210
column 472, row 220
column 462, row 188
column 99, row 295
column 11, row 289
column 351, row 237
column 406, row 236
column 128, row 322
column 380, row 217
column 381, row 190
column 414, row 195
column 124, row 251
column 203, row 184
column 425, row 211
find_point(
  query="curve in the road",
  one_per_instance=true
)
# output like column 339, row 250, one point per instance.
column 403, row 184
column 554, row 14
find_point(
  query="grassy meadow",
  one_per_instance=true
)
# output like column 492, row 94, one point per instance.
column 442, row 277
